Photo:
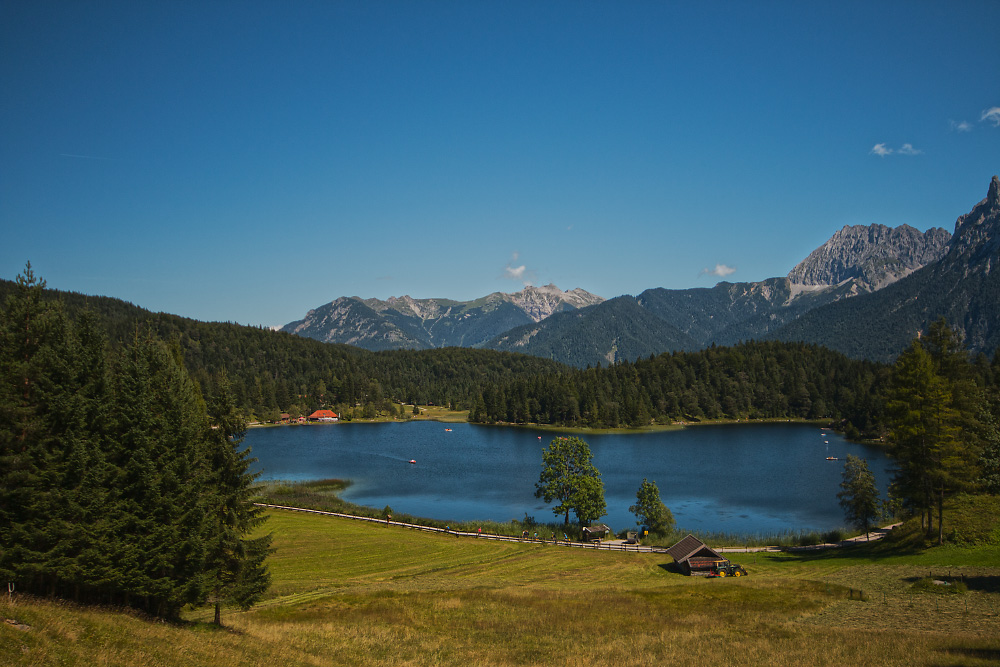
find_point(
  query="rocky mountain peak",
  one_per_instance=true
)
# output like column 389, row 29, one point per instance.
column 977, row 233
column 873, row 256
column 540, row 302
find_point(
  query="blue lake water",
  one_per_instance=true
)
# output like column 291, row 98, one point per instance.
column 741, row 479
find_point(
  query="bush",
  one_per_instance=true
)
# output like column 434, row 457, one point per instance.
column 833, row 536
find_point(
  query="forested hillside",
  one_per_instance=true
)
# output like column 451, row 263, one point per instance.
column 747, row 381
column 273, row 372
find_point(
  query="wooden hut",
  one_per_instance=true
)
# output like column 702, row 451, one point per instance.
column 595, row 533
column 694, row 556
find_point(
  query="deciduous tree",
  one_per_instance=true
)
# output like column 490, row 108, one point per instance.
column 570, row 479
column 650, row 510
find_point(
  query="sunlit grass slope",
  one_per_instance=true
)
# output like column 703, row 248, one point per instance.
column 353, row 593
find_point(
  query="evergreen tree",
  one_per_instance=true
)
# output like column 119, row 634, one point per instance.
column 931, row 432
column 237, row 570
column 161, row 481
column 859, row 495
column 989, row 460
column 43, row 443
column 918, row 417
column 109, row 472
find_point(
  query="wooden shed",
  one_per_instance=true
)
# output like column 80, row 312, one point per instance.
column 594, row 533
column 694, row 556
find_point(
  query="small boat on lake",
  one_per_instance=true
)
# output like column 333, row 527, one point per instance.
column 831, row 458
column 414, row 461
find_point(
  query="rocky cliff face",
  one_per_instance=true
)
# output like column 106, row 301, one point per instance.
column 871, row 256
column 977, row 233
column 540, row 302
column 960, row 287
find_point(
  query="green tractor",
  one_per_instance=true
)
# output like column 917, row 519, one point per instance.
column 727, row 569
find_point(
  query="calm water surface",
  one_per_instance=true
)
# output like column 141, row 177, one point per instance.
column 742, row 479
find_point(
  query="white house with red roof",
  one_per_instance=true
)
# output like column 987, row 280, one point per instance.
column 323, row 416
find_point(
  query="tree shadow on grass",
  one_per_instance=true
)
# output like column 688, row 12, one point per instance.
column 872, row 552
column 981, row 583
column 986, row 654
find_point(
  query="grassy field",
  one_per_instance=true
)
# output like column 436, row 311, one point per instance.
column 439, row 413
column 352, row 593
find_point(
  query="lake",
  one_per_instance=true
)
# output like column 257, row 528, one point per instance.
column 740, row 479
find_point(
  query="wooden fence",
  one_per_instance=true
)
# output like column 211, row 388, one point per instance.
column 603, row 546
column 613, row 545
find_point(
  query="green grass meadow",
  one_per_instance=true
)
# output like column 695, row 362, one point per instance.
column 354, row 593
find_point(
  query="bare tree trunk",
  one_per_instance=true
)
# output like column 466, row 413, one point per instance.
column 941, row 517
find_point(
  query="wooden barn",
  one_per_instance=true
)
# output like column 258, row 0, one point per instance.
column 694, row 556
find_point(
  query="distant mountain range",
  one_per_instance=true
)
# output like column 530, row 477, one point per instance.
column 866, row 292
column 407, row 323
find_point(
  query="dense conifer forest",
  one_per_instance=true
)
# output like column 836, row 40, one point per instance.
column 121, row 481
column 747, row 381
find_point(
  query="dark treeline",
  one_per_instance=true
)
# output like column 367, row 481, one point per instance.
column 273, row 372
column 754, row 380
column 121, row 482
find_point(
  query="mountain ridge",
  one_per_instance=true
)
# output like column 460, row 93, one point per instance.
column 405, row 322
column 963, row 287
column 953, row 272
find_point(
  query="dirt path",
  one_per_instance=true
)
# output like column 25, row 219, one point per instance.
column 606, row 545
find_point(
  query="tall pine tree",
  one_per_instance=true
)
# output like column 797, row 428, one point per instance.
column 237, row 570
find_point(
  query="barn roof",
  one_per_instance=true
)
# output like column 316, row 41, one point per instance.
column 691, row 546
column 599, row 528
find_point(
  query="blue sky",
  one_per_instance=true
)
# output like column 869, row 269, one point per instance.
column 247, row 161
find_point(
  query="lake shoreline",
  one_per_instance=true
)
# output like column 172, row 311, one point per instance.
column 575, row 430
column 714, row 480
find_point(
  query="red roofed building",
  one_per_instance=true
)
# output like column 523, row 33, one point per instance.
column 323, row 416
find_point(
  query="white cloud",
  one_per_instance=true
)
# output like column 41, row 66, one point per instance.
column 720, row 270
column 514, row 272
column 963, row 126
column 518, row 273
column 881, row 150
column 991, row 115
